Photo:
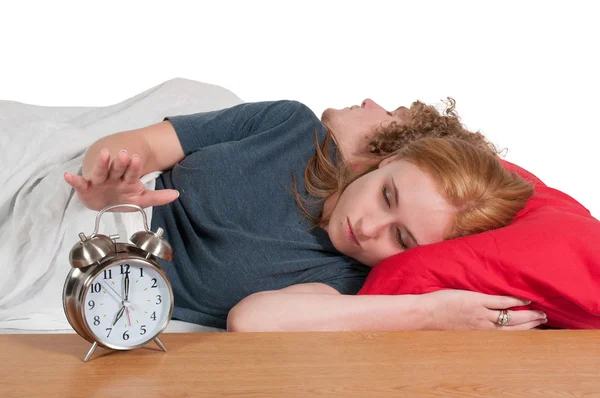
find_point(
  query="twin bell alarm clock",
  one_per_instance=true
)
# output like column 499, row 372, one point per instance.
column 117, row 295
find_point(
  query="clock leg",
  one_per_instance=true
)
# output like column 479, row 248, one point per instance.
column 90, row 352
column 160, row 344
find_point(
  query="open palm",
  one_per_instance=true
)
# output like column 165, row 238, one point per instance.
column 117, row 182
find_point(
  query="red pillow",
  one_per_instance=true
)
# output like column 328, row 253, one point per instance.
column 549, row 254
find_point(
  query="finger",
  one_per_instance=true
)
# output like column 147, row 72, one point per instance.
column 523, row 326
column 119, row 165
column 79, row 183
column 158, row 198
column 518, row 317
column 100, row 170
column 503, row 302
column 134, row 170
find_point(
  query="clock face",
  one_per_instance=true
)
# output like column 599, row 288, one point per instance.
column 127, row 304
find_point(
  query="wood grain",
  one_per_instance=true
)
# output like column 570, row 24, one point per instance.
column 539, row 363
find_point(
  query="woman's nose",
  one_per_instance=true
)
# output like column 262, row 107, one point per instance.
column 371, row 227
column 369, row 103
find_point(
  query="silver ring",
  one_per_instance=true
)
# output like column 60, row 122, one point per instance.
column 503, row 318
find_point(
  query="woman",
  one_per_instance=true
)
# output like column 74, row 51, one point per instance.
column 246, row 253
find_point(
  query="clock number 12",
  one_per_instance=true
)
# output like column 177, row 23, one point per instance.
column 124, row 268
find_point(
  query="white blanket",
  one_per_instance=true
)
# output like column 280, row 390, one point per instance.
column 40, row 217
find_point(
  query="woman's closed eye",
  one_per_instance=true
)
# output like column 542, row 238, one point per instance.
column 384, row 192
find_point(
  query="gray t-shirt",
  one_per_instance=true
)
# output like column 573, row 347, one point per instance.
column 236, row 229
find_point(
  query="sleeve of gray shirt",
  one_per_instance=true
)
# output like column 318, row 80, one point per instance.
column 200, row 130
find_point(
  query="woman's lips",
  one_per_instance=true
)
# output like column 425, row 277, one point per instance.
column 350, row 234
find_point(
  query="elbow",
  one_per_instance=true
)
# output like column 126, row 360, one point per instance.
column 246, row 316
column 237, row 321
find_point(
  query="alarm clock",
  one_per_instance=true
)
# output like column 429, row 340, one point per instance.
column 117, row 295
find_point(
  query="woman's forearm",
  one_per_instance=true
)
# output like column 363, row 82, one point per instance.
column 280, row 311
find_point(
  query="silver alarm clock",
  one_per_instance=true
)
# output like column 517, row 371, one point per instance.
column 117, row 295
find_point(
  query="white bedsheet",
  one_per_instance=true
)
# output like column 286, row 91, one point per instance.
column 40, row 217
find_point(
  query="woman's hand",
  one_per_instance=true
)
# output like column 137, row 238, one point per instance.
column 461, row 309
column 117, row 182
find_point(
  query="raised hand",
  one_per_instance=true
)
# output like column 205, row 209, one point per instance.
column 116, row 182
column 461, row 309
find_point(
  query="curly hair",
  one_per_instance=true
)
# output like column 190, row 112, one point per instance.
column 425, row 121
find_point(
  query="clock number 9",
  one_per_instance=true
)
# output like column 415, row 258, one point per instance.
column 91, row 304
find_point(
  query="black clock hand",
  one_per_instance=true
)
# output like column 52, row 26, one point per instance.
column 119, row 315
column 126, row 287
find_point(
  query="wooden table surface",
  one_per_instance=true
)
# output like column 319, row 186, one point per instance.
column 538, row 363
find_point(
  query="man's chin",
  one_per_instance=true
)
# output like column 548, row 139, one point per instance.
column 327, row 115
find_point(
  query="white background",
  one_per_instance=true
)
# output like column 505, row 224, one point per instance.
column 525, row 73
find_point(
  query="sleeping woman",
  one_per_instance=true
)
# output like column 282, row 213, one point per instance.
column 275, row 217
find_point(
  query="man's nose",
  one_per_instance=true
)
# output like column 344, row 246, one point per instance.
column 369, row 103
column 370, row 227
column 402, row 112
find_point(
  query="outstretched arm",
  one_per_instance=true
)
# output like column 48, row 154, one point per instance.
column 288, row 311
column 156, row 146
column 317, row 307
column 107, row 182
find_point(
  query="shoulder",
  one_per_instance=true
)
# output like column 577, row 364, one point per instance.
column 289, row 107
column 287, row 104
column 287, row 114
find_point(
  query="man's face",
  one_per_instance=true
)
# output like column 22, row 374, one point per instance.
column 354, row 126
column 387, row 211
